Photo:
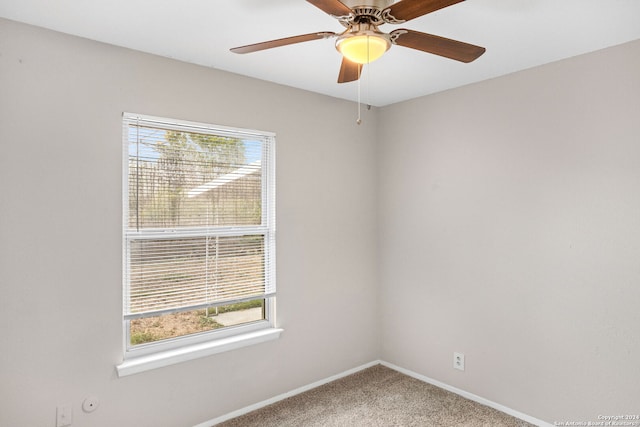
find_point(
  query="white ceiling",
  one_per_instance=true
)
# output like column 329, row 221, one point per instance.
column 517, row 34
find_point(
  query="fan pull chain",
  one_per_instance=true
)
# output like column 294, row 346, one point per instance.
column 359, row 121
column 367, row 85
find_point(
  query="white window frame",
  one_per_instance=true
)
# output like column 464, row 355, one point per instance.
column 153, row 355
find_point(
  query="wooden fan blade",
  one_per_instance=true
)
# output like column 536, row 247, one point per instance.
column 406, row 10
column 282, row 42
column 349, row 71
column 463, row 52
column 332, row 7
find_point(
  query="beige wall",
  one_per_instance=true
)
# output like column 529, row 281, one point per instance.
column 510, row 231
column 61, row 104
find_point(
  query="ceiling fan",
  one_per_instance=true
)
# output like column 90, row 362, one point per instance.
column 362, row 42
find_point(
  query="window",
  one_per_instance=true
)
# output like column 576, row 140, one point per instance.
column 199, row 233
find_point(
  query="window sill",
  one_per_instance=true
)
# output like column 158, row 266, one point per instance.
column 170, row 357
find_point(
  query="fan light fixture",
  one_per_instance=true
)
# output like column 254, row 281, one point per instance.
column 363, row 46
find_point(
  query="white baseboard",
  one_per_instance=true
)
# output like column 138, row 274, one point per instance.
column 469, row 396
column 283, row 396
column 415, row 375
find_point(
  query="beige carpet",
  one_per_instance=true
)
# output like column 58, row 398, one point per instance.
column 377, row 396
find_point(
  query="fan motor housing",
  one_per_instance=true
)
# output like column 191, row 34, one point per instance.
column 365, row 11
column 358, row 4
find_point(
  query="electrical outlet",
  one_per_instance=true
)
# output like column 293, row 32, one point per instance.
column 64, row 416
column 458, row 361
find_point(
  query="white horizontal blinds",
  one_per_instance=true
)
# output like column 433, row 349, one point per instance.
column 186, row 179
column 199, row 228
column 170, row 274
